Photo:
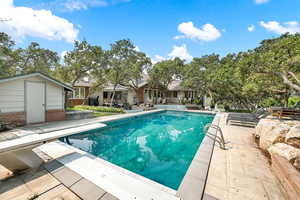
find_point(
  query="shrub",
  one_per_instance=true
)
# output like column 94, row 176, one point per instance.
column 293, row 101
column 269, row 102
column 98, row 109
column 197, row 101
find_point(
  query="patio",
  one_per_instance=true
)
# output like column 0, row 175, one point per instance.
column 242, row 172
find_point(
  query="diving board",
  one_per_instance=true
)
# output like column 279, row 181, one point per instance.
column 18, row 154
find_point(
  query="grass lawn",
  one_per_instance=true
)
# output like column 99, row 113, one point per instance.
column 99, row 111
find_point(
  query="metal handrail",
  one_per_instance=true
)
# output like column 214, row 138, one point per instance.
column 219, row 139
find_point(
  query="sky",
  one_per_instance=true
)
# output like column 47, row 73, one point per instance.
column 163, row 29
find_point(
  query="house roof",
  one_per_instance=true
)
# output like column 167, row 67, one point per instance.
column 42, row 75
column 176, row 86
column 110, row 87
column 83, row 83
column 173, row 86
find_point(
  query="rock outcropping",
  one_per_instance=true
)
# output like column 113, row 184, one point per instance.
column 280, row 137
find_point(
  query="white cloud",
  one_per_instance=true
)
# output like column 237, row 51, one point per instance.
column 157, row 58
column 62, row 56
column 251, row 28
column 137, row 48
column 63, row 53
column 287, row 27
column 207, row 32
column 76, row 5
column 25, row 21
column 180, row 52
column 261, row 1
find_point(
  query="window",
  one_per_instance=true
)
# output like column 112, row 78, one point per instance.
column 79, row 93
column 175, row 94
column 105, row 95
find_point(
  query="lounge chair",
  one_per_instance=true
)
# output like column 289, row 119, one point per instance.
column 246, row 119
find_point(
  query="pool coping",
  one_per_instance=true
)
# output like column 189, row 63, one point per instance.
column 193, row 184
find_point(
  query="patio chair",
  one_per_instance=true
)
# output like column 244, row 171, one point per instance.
column 246, row 119
column 281, row 112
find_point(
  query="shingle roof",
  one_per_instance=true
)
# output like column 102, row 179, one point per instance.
column 43, row 75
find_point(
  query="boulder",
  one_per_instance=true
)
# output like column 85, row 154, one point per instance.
column 265, row 125
column 273, row 135
column 294, row 132
column 293, row 136
column 284, row 150
column 296, row 163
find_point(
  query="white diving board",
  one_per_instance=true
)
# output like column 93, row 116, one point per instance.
column 17, row 154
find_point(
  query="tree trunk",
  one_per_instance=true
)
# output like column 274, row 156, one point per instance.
column 137, row 96
column 289, row 83
column 113, row 96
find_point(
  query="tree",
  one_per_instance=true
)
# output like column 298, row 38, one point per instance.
column 83, row 60
column 199, row 74
column 120, row 57
column 138, row 63
column 164, row 72
column 7, row 56
column 279, row 60
column 282, row 57
column 36, row 59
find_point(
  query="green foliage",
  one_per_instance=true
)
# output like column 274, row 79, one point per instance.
column 97, row 109
column 36, row 59
column 197, row 101
column 122, row 58
column 293, row 101
column 164, row 72
column 81, row 61
column 269, row 102
column 7, row 56
column 31, row 59
column 265, row 76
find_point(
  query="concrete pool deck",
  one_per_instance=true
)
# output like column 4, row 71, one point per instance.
column 242, row 172
column 239, row 173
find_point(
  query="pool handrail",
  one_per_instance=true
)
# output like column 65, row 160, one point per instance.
column 219, row 139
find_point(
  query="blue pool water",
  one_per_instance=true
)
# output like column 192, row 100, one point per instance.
column 158, row 146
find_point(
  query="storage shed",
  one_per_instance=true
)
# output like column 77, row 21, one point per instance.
column 32, row 98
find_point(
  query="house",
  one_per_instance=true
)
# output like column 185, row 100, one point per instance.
column 81, row 93
column 175, row 94
column 32, row 98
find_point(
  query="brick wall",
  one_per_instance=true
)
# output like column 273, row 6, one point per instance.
column 76, row 102
column 16, row 118
column 55, row 115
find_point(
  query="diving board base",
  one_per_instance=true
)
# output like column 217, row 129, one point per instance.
column 21, row 159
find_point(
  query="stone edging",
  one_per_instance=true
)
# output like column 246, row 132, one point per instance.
column 193, row 184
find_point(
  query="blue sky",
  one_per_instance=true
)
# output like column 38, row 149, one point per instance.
column 160, row 28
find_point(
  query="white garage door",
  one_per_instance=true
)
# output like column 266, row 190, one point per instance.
column 35, row 102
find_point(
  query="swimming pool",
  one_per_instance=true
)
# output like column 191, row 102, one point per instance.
column 158, row 146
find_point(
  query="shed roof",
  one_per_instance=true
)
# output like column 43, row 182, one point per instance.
column 42, row 75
